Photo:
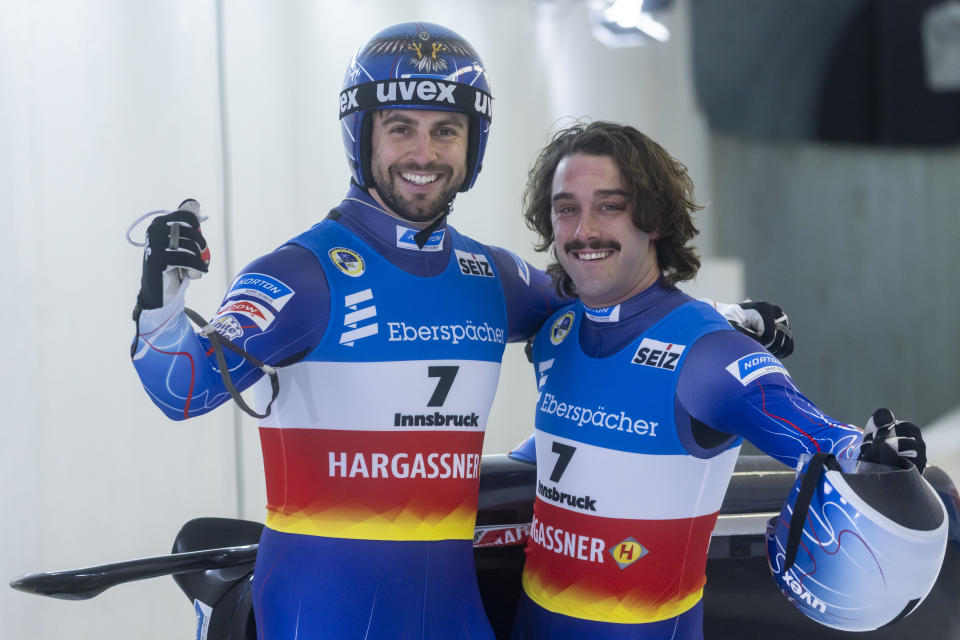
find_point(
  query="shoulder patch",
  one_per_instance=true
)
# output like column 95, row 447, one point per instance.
column 228, row 327
column 561, row 327
column 263, row 287
column 749, row 368
column 348, row 261
column 258, row 313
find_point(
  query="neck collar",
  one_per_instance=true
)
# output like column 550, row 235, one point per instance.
column 627, row 309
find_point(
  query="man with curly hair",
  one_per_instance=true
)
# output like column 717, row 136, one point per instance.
column 645, row 397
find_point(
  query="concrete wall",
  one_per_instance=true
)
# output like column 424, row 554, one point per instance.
column 860, row 246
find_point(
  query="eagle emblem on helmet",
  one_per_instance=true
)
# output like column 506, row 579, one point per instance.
column 426, row 52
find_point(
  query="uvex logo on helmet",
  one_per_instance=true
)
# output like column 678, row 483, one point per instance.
column 416, row 91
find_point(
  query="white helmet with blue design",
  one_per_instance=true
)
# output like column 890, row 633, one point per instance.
column 858, row 545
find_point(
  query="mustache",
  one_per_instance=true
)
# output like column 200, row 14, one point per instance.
column 594, row 244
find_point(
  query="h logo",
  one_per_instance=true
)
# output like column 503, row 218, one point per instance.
column 627, row 552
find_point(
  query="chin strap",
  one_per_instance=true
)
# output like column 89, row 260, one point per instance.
column 419, row 237
column 218, row 344
column 423, row 235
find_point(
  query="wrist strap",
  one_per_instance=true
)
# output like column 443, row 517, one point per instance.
column 218, row 345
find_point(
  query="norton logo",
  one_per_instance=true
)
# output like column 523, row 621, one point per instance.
column 263, row 287
column 406, row 239
column 347, row 260
column 627, row 552
column 473, row 264
column 561, row 327
column 749, row 368
column 661, row 355
column 606, row 314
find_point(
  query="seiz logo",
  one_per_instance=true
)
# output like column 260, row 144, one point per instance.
column 406, row 239
column 626, row 552
column 357, row 314
column 661, row 355
column 474, row 264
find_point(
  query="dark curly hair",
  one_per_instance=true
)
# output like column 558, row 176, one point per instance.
column 661, row 194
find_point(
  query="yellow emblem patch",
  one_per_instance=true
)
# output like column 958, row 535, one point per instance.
column 627, row 552
column 561, row 327
column 348, row 261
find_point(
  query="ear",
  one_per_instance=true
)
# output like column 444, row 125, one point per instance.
column 655, row 234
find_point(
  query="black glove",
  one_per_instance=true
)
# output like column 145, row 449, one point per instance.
column 175, row 248
column 885, row 438
column 773, row 324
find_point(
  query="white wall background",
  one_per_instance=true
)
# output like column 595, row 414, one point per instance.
column 109, row 109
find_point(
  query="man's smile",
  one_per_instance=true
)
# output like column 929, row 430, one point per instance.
column 592, row 254
column 419, row 178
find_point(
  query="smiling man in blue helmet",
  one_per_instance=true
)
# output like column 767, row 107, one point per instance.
column 645, row 396
column 375, row 339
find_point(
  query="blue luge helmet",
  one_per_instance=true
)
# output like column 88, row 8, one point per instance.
column 858, row 545
column 414, row 65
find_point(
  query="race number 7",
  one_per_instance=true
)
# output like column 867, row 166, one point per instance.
column 446, row 375
column 564, row 453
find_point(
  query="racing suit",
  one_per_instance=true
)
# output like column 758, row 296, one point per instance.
column 642, row 410
column 389, row 356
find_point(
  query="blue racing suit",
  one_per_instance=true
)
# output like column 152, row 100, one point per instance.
column 641, row 414
column 388, row 358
